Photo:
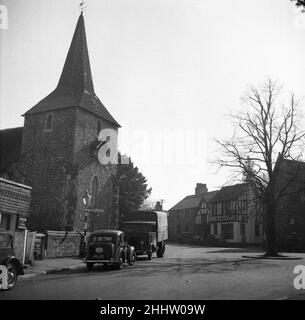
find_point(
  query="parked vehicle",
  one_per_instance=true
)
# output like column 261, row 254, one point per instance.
column 8, row 259
column 215, row 240
column 147, row 231
column 109, row 247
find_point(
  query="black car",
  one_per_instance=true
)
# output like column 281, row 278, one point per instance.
column 8, row 259
column 109, row 247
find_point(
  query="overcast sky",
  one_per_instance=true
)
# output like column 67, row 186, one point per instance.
column 167, row 70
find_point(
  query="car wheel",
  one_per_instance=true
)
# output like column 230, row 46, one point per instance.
column 160, row 252
column 119, row 265
column 12, row 275
column 149, row 255
column 89, row 266
column 133, row 259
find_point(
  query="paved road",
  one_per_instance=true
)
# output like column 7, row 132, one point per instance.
column 186, row 272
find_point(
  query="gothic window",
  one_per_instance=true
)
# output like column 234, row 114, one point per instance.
column 49, row 122
column 94, row 193
column 99, row 127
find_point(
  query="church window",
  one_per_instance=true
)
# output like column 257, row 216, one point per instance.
column 49, row 122
column 94, row 192
column 99, row 127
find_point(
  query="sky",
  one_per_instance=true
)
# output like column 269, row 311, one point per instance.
column 169, row 71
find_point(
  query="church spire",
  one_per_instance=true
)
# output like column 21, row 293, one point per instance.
column 76, row 75
column 75, row 87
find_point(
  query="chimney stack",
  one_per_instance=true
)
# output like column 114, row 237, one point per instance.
column 201, row 189
column 158, row 206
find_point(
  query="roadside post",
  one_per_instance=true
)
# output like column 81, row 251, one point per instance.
column 86, row 201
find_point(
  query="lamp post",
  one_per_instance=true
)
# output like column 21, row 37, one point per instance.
column 86, row 202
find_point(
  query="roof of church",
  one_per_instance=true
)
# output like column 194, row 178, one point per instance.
column 75, row 87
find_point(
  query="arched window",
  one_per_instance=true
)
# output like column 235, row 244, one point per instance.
column 49, row 122
column 99, row 127
column 94, row 193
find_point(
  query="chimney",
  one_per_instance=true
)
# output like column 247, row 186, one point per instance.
column 200, row 189
column 158, row 206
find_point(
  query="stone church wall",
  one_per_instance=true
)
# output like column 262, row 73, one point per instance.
column 63, row 244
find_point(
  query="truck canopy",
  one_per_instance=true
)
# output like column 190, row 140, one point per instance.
column 153, row 218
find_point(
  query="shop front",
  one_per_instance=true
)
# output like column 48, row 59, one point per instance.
column 14, row 211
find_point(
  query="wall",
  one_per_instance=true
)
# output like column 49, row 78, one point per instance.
column 19, row 244
column 59, row 165
column 63, row 244
column 86, row 133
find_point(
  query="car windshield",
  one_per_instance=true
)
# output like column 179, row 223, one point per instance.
column 103, row 238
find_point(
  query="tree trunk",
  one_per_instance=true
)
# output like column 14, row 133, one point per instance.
column 271, row 231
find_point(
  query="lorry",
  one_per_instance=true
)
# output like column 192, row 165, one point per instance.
column 146, row 231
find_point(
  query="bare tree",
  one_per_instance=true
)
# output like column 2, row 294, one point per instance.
column 266, row 133
column 299, row 3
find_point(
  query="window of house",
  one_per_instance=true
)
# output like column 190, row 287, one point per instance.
column 5, row 221
column 227, row 231
column 257, row 234
column 242, row 229
column 49, row 122
column 215, row 228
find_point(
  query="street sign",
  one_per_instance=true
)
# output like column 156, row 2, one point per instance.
column 22, row 221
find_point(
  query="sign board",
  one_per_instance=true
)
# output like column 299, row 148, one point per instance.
column 22, row 221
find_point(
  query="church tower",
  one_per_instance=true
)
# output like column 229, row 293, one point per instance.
column 60, row 139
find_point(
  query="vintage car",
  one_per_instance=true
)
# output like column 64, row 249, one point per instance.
column 109, row 247
column 8, row 259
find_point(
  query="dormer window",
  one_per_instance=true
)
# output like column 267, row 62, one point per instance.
column 49, row 122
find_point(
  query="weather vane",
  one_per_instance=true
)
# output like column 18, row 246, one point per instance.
column 82, row 6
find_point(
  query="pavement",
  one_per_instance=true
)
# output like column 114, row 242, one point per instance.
column 49, row 266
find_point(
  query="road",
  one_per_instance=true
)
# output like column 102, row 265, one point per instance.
column 186, row 272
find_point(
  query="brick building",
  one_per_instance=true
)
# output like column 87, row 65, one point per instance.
column 55, row 151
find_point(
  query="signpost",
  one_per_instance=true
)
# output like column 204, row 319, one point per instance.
column 86, row 201
column 22, row 221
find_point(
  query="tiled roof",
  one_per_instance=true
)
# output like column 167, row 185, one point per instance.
column 230, row 192
column 193, row 201
column 75, row 87
column 292, row 166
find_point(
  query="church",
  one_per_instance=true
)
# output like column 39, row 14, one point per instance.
column 55, row 152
